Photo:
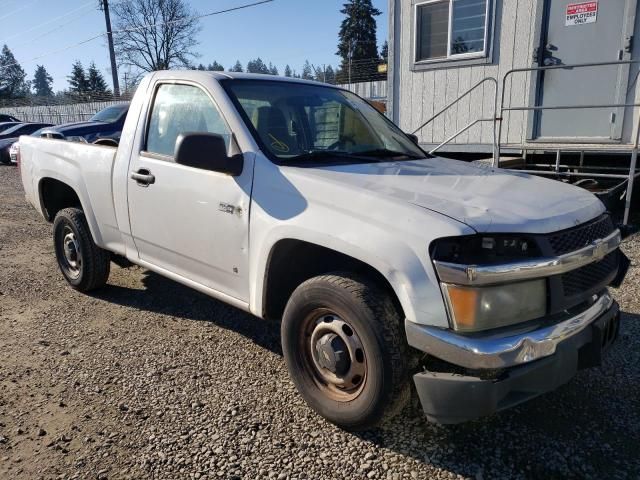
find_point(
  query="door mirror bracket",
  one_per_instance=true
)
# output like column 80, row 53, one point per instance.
column 414, row 138
column 207, row 151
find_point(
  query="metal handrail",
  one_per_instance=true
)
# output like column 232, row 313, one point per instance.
column 460, row 132
column 634, row 151
column 457, row 100
column 464, row 129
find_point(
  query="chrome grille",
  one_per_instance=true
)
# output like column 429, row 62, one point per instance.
column 594, row 275
column 581, row 236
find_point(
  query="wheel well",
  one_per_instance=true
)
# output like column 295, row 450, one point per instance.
column 292, row 262
column 56, row 195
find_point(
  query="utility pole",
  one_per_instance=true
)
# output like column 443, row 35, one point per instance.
column 104, row 6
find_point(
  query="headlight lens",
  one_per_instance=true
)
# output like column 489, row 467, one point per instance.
column 473, row 309
column 484, row 249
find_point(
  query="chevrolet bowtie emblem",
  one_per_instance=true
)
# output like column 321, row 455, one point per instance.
column 599, row 249
column 472, row 273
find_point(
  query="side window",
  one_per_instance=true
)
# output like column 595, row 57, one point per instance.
column 449, row 29
column 178, row 109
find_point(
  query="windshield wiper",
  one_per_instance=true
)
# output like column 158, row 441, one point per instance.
column 385, row 152
column 322, row 154
column 380, row 153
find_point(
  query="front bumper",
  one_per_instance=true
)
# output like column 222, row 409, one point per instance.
column 501, row 350
column 529, row 364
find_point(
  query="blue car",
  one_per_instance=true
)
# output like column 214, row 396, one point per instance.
column 10, row 136
column 8, row 118
column 106, row 123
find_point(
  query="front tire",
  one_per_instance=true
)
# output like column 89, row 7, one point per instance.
column 84, row 265
column 344, row 346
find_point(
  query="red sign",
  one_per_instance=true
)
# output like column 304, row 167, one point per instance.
column 581, row 13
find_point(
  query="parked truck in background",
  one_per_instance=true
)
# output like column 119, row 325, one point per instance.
column 299, row 202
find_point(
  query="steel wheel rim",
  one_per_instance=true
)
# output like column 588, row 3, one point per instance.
column 71, row 253
column 341, row 380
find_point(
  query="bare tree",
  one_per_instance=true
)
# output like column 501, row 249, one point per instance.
column 155, row 34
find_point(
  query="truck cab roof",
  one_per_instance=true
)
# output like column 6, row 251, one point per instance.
column 193, row 74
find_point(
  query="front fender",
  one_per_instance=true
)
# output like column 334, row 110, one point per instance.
column 403, row 272
column 398, row 254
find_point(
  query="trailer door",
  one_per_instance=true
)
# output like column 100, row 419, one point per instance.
column 584, row 32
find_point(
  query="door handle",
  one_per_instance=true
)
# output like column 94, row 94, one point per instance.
column 143, row 177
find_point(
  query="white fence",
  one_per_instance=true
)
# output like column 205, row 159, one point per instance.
column 56, row 114
column 376, row 90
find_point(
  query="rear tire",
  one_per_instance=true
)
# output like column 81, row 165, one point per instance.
column 346, row 351
column 84, row 265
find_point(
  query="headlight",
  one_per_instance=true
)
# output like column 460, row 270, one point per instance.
column 484, row 249
column 481, row 308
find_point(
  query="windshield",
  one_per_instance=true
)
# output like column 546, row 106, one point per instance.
column 13, row 129
column 6, row 126
column 296, row 121
column 109, row 114
column 39, row 132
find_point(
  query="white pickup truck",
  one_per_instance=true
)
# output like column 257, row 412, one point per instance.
column 299, row 202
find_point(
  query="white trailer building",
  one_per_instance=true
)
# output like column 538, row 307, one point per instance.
column 440, row 49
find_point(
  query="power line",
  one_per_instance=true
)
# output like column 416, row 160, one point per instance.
column 55, row 29
column 146, row 27
column 22, row 32
column 23, row 7
column 194, row 17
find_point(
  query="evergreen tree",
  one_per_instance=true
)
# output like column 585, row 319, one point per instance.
column 95, row 80
column 357, row 38
column 384, row 51
column 12, row 76
column 215, row 67
column 42, row 82
column 201, row 67
column 273, row 70
column 330, row 75
column 257, row 66
column 78, row 82
column 237, row 67
column 307, row 71
column 287, row 71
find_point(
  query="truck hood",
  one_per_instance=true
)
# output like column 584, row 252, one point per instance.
column 486, row 199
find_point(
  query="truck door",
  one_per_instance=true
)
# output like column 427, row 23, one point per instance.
column 184, row 220
column 576, row 31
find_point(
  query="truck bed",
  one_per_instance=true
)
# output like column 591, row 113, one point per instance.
column 85, row 167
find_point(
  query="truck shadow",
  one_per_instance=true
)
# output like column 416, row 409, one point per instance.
column 166, row 297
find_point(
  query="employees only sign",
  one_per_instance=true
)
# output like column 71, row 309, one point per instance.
column 581, row 13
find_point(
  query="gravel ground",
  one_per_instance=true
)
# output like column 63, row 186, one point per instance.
column 148, row 379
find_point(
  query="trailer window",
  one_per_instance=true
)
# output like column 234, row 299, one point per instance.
column 450, row 29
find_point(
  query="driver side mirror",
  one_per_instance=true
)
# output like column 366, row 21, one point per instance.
column 414, row 138
column 207, row 151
